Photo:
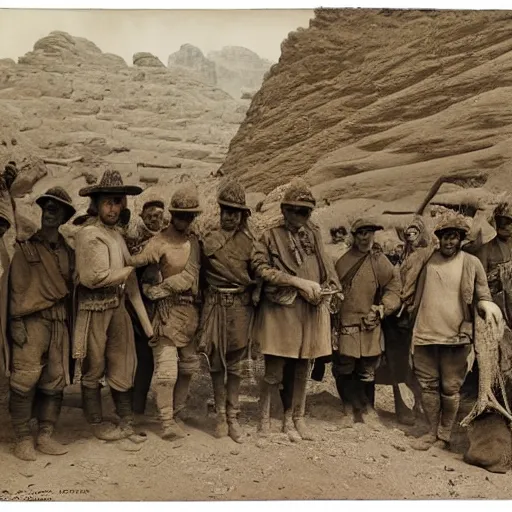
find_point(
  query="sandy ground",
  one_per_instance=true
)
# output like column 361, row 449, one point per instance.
column 344, row 463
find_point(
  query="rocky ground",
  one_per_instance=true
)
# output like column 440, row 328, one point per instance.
column 343, row 463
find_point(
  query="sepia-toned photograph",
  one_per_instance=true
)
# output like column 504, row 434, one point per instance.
column 255, row 254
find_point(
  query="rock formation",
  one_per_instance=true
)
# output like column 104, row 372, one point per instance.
column 233, row 69
column 145, row 59
column 67, row 102
column 192, row 58
column 239, row 68
column 376, row 104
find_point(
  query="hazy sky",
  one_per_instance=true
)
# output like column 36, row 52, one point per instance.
column 159, row 32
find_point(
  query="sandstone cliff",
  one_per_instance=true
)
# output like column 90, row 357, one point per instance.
column 375, row 104
column 234, row 69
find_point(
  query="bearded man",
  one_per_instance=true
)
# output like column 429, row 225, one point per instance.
column 449, row 285
column 40, row 306
column 372, row 292
column 104, row 338
column 227, row 316
column 176, row 252
column 292, row 325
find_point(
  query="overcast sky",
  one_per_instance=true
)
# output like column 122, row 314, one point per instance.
column 159, row 32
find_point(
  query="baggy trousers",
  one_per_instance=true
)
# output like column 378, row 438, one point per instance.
column 441, row 371
column 110, row 350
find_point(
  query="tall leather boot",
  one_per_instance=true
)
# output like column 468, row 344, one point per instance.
column 181, row 394
column 344, row 385
column 123, row 403
column 164, row 397
column 233, row 408
column 265, row 401
column 91, row 404
column 20, row 408
column 220, row 397
column 449, row 409
column 48, row 415
column 299, row 400
column 432, row 407
column 286, row 392
column 404, row 415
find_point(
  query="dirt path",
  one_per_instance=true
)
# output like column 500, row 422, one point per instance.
column 348, row 463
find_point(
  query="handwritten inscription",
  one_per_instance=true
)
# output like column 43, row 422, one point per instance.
column 43, row 495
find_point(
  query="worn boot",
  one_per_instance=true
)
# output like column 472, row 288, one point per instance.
column 369, row 414
column 344, row 387
column 404, row 415
column 164, row 394
column 20, row 408
column 123, row 402
column 265, row 400
column 48, row 415
column 180, row 396
column 432, row 407
column 299, row 400
column 233, row 408
column 220, row 397
column 449, row 410
column 91, row 403
column 289, row 427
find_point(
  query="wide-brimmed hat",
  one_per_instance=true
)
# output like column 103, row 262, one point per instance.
column 185, row 200
column 298, row 194
column 59, row 195
column 111, row 183
column 457, row 223
column 365, row 223
column 232, row 194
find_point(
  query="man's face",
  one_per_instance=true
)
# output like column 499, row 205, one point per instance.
column 411, row 235
column 449, row 243
column 363, row 239
column 338, row 237
column 182, row 221
column 109, row 209
column 296, row 216
column 54, row 214
column 504, row 227
column 230, row 218
column 4, row 226
column 153, row 218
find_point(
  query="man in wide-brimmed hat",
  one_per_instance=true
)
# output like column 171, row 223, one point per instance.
column 176, row 252
column 450, row 283
column 40, row 300
column 103, row 337
column 292, row 325
column 227, row 314
column 372, row 291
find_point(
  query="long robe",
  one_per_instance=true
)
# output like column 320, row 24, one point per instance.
column 287, row 325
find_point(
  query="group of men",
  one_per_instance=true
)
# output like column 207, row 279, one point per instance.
column 137, row 308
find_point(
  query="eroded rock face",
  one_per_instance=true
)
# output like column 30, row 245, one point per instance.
column 67, row 101
column 234, row 69
column 145, row 59
column 376, row 104
column 239, row 68
column 61, row 47
column 192, row 58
